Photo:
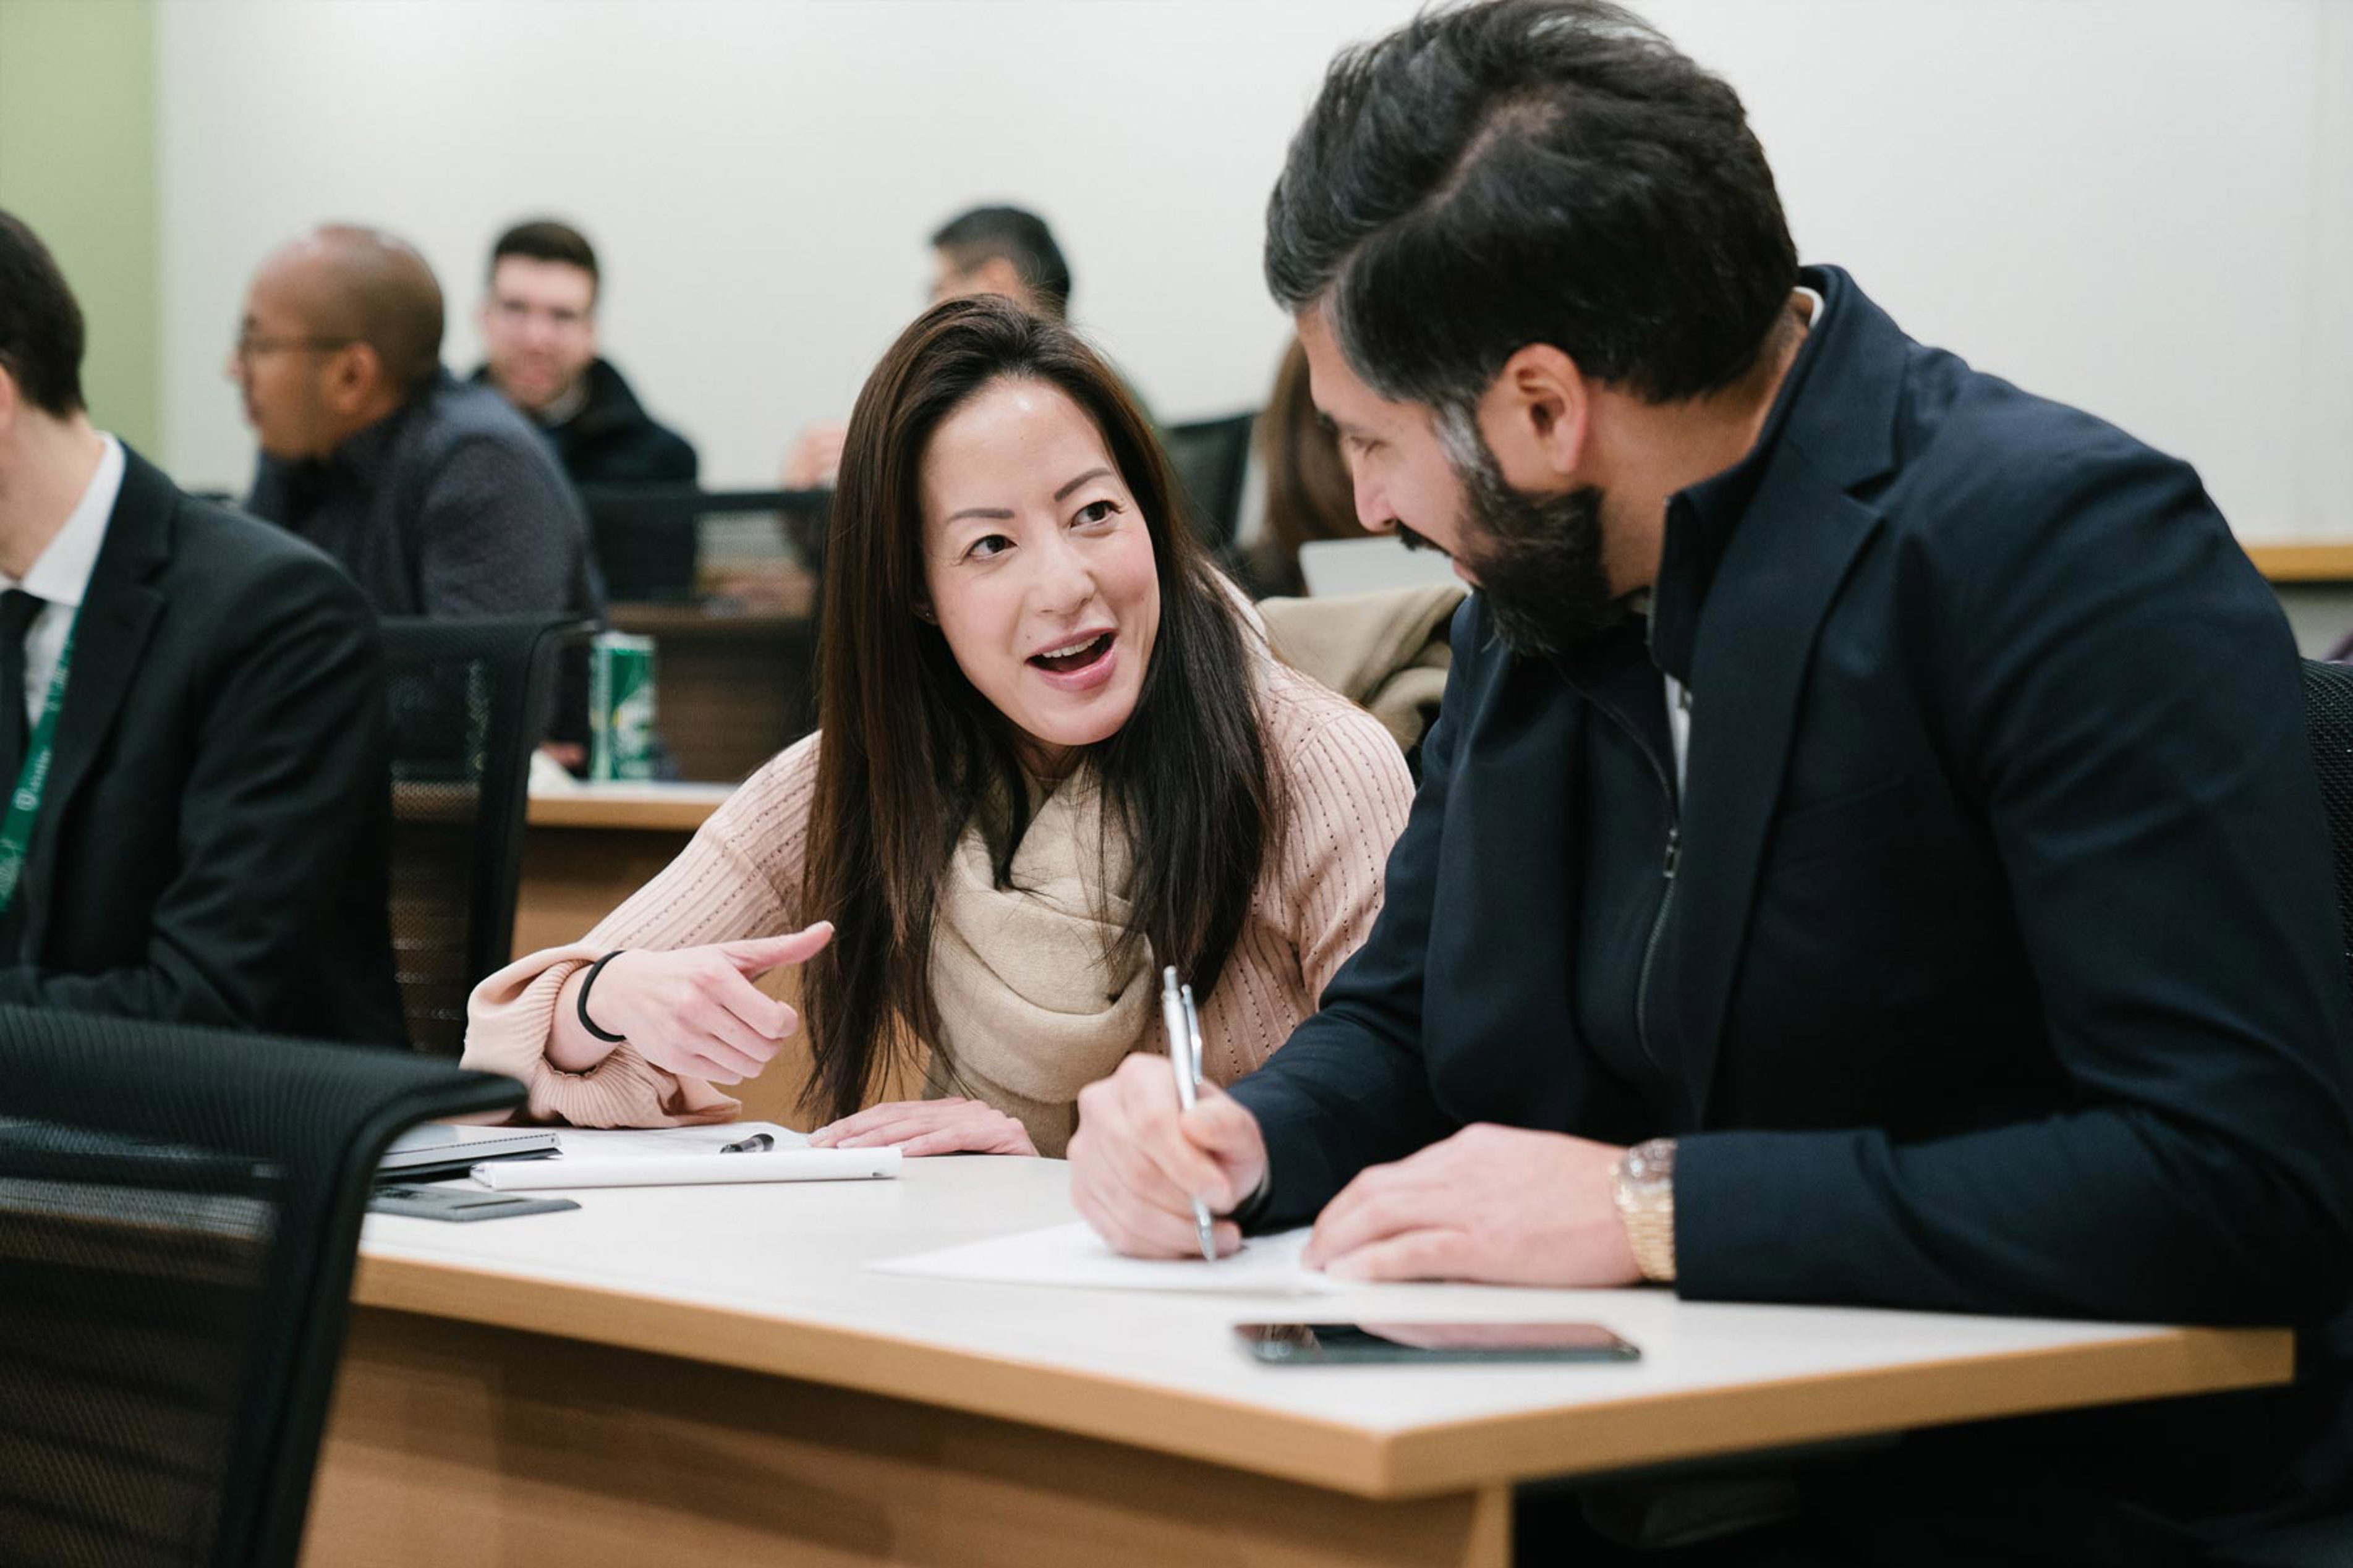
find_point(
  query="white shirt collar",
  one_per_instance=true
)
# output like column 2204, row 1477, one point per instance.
column 60, row 575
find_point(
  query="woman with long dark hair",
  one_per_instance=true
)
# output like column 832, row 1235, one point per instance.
column 1053, row 754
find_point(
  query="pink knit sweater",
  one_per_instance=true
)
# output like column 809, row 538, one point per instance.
column 1347, row 791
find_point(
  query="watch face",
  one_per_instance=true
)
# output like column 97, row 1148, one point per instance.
column 1651, row 1165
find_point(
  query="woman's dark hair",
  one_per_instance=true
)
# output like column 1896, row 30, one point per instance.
column 911, row 752
column 1309, row 495
column 1522, row 172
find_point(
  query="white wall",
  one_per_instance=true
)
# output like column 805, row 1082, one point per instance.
column 2145, row 206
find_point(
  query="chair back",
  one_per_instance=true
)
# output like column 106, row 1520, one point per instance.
column 179, row 1213
column 1210, row 458
column 2329, row 721
column 469, row 701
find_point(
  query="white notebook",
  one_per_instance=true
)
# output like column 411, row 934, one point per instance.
column 684, row 1156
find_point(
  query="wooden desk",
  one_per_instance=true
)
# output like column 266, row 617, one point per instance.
column 702, row 1376
column 2316, row 561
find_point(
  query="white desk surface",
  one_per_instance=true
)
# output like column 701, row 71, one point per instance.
column 768, row 1279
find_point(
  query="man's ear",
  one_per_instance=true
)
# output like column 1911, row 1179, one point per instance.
column 353, row 375
column 12, row 402
column 1536, row 417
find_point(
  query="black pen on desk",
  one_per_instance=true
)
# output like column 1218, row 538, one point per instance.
column 758, row 1143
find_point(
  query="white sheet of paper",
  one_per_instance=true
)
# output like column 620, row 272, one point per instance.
column 1073, row 1255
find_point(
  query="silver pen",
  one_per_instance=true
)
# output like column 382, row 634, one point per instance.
column 1184, row 1061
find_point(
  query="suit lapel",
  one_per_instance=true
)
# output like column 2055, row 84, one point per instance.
column 110, row 638
column 1779, row 580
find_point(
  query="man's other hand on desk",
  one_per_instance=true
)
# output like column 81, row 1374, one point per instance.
column 1137, row 1163
column 1498, row 1205
column 918, row 1127
column 693, row 1012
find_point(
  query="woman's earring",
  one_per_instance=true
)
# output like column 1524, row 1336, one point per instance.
column 923, row 614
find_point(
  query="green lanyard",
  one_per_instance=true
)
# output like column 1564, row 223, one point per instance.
column 25, row 801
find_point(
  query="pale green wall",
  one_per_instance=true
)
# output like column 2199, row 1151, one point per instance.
column 78, row 162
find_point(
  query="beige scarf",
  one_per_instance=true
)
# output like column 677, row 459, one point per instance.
column 1029, row 1012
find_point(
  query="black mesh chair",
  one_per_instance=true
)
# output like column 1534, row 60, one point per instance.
column 179, row 1212
column 469, row 703
column 1210, row 458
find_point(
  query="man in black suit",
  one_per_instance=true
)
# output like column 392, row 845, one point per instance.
column 1868, row 853
column 192, row 718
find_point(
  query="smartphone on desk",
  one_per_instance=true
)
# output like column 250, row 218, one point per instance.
column 1358, row 1344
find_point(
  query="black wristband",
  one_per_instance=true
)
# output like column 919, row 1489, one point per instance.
column 585, row 1021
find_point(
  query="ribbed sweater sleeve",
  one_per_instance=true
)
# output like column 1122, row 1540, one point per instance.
column 738, row 877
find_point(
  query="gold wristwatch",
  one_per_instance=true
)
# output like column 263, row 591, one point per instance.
column 1644, row 1187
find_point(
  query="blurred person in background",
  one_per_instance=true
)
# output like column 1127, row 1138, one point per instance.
column 539, row 339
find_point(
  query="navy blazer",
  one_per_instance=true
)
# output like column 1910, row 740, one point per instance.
column 1997, row 969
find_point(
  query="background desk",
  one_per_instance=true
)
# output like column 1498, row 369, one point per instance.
column 586, row 850
column 707, row 1376
column 731, row 689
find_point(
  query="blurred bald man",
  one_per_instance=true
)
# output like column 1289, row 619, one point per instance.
column 434, row 494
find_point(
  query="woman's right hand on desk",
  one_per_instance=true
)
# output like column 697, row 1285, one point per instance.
column 693, row 1012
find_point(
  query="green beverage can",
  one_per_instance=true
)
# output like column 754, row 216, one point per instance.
column 621, row 707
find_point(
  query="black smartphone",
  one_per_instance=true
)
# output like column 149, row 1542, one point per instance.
column 1351, row 1344
column 462, row 1203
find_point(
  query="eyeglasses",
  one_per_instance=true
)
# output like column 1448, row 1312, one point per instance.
column 250, row 346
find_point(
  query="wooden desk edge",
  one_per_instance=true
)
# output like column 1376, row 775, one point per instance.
column 1789, row 1413
column 2319, row 562
column 1144, row 1415
column 1414, row 1462
column 645, row 815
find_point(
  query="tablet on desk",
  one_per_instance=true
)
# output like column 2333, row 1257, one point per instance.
column 438, row 1149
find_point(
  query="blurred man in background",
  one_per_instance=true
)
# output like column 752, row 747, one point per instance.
column 1001, row 251
column 538, row 334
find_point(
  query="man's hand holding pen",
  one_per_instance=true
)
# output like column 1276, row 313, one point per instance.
column 1137, row 1161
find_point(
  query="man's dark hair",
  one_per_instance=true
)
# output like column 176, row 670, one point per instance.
column 41, row 334
column 1520, row 171
column 547, row 239
column 986, row 234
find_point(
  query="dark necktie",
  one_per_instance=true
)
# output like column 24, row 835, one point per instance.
column 18, row 609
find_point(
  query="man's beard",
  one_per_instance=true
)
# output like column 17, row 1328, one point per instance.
column 1538, row 560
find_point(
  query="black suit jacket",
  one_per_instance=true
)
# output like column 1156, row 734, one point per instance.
column 1998, row 966
column 211, row 847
